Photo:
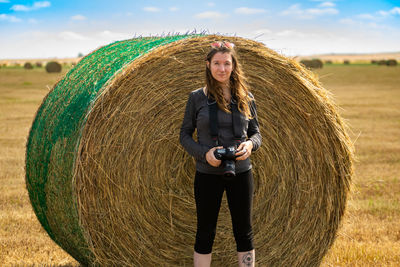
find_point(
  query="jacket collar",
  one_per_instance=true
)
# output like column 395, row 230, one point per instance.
column 211, row 100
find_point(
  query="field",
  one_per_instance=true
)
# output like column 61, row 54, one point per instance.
column 354, row 58
column 369, row 100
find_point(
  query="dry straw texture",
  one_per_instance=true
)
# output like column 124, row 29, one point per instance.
column 131, row 183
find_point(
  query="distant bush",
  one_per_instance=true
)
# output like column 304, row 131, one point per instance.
column 39, row 64
column 53, row 66
column 28, row 66
column 328, row 61
column 373, row 61
column 312, row 64
column 391, row 62
column 346, row 62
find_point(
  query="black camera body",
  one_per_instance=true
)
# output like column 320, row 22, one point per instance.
column 227, row 155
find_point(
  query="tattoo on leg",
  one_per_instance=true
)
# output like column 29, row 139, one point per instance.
column 247, row 259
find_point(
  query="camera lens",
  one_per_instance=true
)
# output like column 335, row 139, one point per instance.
column 229, row 168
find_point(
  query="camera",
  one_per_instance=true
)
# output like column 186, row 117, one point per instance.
column 227, row 155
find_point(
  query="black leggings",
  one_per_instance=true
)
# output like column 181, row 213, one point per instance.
column 208, row 191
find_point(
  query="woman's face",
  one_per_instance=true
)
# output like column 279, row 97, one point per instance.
column 221, row 67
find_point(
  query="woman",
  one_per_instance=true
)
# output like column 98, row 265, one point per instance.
column 227, row 91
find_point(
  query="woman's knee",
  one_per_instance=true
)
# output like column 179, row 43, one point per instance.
column 204, row 240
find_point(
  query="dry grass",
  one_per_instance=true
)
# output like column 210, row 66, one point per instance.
column 370, row 234
column 360, row 58
column 370, row 97
column 12, row 62
column 22, row 239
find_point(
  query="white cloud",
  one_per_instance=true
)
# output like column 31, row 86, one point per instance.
column 291, row 33
column 41, row 4
column 365, row 23
column 35, row 6
column 366, row 16
column 262, row 31
column 37, row 35
column 69, row 35
column 373, row 25
column 109, row 35
column 395, row 11
column 322, row 11
column 293, row 10
column 378, row 16
column 383, row 13
column 78, row 17
column 173, row 8
column 290, row 41
column 249, row 11
column 347, row 21
column 33, row 21
column 20, row 8
column 5, row 17
column 151, row 9
column 210, row 15
column 327, row 4
column 296, row 11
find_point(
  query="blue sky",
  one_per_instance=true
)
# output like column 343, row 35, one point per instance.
column 42, row 29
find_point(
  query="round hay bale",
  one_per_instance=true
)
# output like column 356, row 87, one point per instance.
column 53, row 66
column 312, row 64
column 306, row 63
column 346, row 62
column 28, row 66
column 391, row 62
column 110, row 183
column 382, row 62
column 317, row 63
column 39, row 64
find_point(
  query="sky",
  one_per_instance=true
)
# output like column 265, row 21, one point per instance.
column 65, row 28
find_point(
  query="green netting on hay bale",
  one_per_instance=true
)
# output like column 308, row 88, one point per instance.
column 111, row 184
column 55, row 133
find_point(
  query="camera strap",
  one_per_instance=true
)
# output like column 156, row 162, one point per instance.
column 213, row 116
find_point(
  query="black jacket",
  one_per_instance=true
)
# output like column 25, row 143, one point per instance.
column 197, row 117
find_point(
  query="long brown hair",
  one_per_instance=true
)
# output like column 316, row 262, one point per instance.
column 237, row 81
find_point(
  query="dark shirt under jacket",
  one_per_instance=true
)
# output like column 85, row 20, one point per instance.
column 197, row 116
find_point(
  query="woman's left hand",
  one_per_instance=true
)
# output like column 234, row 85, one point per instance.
column 244, row 150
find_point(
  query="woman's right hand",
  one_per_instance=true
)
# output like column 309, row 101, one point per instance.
column 211, row 158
